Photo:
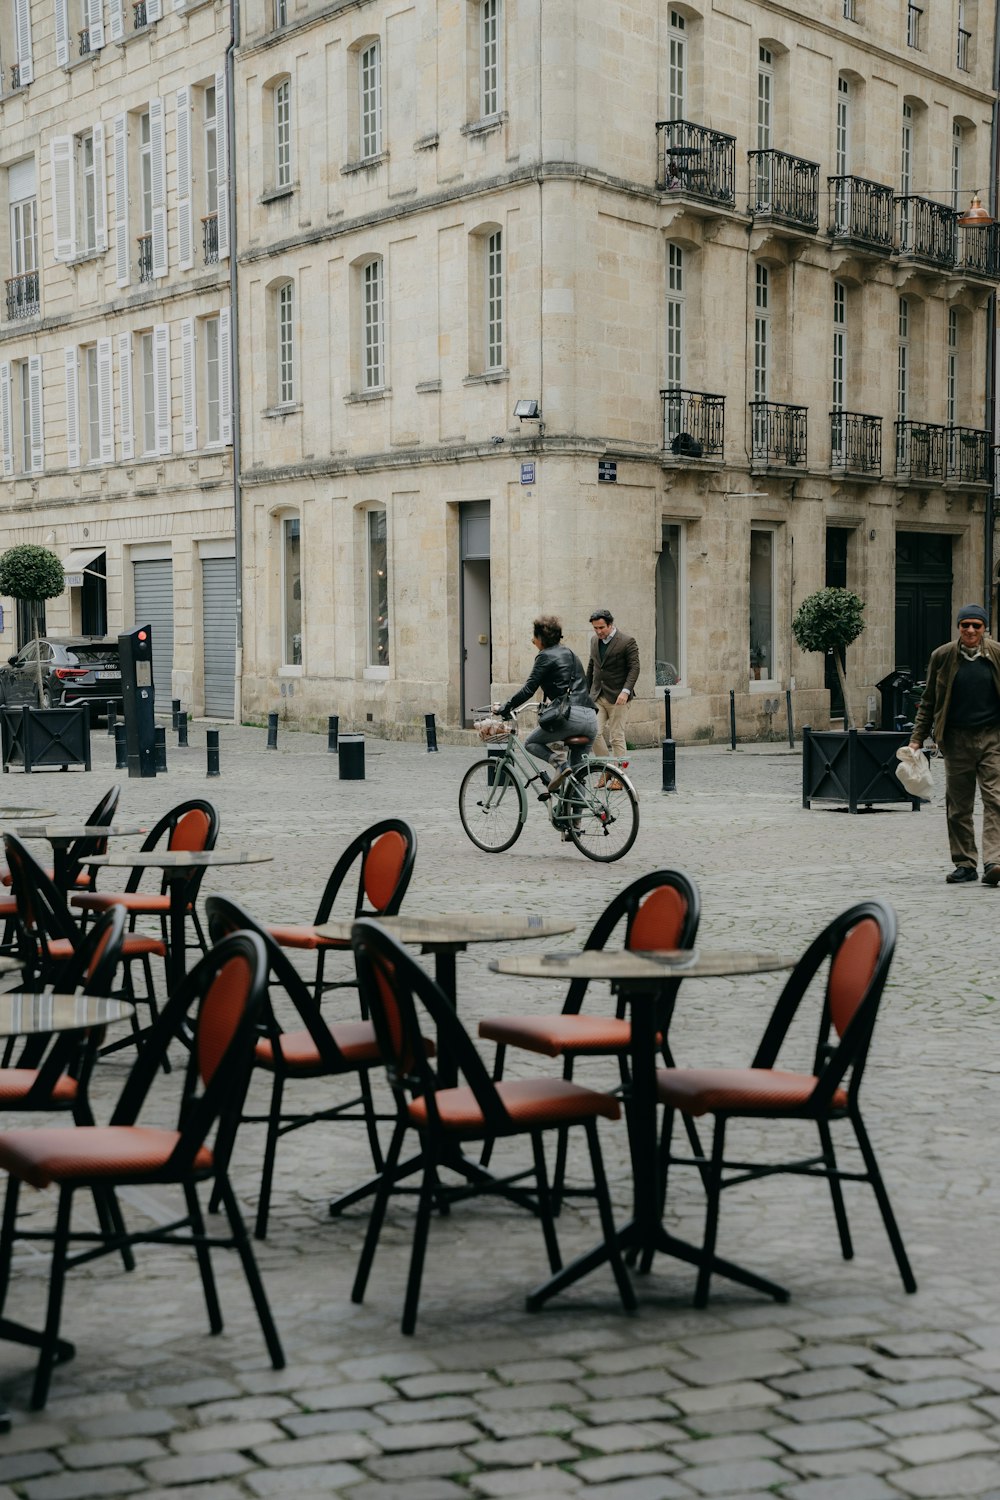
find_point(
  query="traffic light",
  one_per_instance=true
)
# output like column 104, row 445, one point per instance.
column 135, row 647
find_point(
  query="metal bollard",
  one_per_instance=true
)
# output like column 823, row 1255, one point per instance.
column 668, row 748
column 121, row 748
column 351, row 755
column 160, row 747
column 332, row 733
column 791, row 721
column 175, row 709
column 732, row 719
column 668, row 731
column 432, row 734
column 272, row 731
column 212, row 746
column 112, row 721
column 182, row 731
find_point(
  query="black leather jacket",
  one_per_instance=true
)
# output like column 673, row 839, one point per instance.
column 557, row 670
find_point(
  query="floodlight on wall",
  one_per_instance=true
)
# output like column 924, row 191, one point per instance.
column 527, row 411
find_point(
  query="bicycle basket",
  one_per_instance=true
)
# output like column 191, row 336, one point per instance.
column 492, row 729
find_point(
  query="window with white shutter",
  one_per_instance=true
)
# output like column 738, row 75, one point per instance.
column 158, row 157
column 161, row 386
column 225, row 377
column 6, row 419
column 222, row 165
column 116, row 20
column 126, row 405
column 62, row 33
column 95, row 24
column 37, row 432
column 62, row 151
column 185, row 219
column 22, row 30
column 188, row 386
column 100, row 190
column 154, row 10
column 122, row 249
column 105, row 401
column 72, row 366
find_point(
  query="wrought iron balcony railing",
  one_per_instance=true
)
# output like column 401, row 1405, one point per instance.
column 15, row 76
column 85, row 42
column 861, row 212
column 784, row 188
column 139, row 21
column 22, row 295
column 926, row 231
column 968, row 455
column 696, row 161
column 778, row 434
column 921, row 450
column 962, row 51
column 855, row 443
column 979, row 251
column 145, row 242
column 210, row 238
column 694, row 423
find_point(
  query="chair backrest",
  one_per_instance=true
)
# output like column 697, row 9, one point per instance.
column 43, row 916
column 859, row 944
column 384, row 856
column 395, row 989
column 193, row 824
column 82, row 849
column 660, row 910
column 95, row 963
column 228, row 987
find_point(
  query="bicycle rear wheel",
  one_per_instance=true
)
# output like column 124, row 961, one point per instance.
column 603, row 814
column 492, row 806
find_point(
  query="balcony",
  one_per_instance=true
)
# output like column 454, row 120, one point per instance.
column 22, row 296
column 145, row 243
column 784, row 189
column 696, row 163
column 856, row 443
column 968, row 455
column 139, row 22
column 694, row 424
column 921, row 450
column 85, row 42
column 962, row 51
column 778, row 434
column 210, row 238
column 15, row 76
column 979, row 251
column 926, row 231
column 861, row 214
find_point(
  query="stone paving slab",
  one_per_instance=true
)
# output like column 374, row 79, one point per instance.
column 851, row 1390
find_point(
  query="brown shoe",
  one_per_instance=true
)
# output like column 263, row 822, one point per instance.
column 991, row 875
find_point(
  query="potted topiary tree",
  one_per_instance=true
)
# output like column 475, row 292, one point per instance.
column 33, row 574
column 40, row 736
column 844, row 766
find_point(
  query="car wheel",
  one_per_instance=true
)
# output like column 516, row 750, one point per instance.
column 48, row 699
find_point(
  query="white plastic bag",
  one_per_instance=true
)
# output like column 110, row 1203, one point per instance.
column 914, row 771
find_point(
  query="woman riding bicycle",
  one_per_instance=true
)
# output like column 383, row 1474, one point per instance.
column 559, row 673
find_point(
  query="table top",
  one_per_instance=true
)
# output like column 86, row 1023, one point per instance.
column 8, row 814
column 26, row 1014
column 179, row 859
column 647, row 968
column 457, row 928
column 67, row 832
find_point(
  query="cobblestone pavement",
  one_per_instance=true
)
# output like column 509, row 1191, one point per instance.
column 852, row 1390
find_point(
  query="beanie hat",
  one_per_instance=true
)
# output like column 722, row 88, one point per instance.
column 971, row 612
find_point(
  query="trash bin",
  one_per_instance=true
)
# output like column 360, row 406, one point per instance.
column 351, row 757
column 892, row 689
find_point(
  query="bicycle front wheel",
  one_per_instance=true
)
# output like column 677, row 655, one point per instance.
column 492, row 806
column 603, row 814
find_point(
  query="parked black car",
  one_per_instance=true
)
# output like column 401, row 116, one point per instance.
column 80, row 669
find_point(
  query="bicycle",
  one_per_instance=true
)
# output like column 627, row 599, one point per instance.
column 595, row 803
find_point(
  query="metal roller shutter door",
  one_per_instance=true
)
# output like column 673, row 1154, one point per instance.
column 154, row 605
column 218, row 586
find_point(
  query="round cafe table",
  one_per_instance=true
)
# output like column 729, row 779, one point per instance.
column 64, row 834
column 641, row 980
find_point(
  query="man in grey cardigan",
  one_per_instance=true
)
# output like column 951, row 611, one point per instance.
column 961, row 707
column 611, row 675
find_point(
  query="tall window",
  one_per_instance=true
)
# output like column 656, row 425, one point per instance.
column 761, row 333
column 291, row 591
column 765, row 93
column 762, row 603
column 956, row 163
column 145, row 174
column 906, row 151
column 283, row 134
column 88, row 183
column 675, row 318
column 842, row 144
column 23, row 398
column 668, row 606
column 914, row 15
column 964, row 38
column 22, row 290
column 951, row 383
column 490, row 57
column 212, row 382
column 285, row 308
column 370, row 83
column 494, row 301
column 148, row 378
column 839, row 344
column 281, row 12
column 677, row 67
column 903, row 360
column 378, row 590
column 374, row 327
column 92, row 408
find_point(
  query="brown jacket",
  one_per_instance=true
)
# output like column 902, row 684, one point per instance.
column 619, row 669
column 932, row 715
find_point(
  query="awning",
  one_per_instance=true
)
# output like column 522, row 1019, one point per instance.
column 74, row 563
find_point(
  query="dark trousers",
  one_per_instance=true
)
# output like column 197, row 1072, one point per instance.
column 971, row 759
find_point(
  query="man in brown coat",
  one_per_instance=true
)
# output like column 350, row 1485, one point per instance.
column 961, row 706
column 611, row 675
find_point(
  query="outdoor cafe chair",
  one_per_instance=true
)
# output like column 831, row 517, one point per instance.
column 396, row 989
column 660, row 910
column 227, row 988
column 81, row 849
column 859, row 944
column 382, row 858
column 317, row 1049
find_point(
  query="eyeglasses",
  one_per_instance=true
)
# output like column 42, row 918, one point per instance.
column 971, row 625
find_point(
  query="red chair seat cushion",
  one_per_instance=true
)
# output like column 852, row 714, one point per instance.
column 17, row 1083
column 302, row 935
column 134, row 946
column 142, row 904
column 554, row 1036
column 743, row 1091
column 84, row 1152
column 8, row 908
column 81, row 881
column 531, row 1103
column 356, row 1040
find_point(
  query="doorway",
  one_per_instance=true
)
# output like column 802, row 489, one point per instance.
column 477, row 641
column 923, row 598
column 837, row 538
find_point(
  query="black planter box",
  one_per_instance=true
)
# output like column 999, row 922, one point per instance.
column 859, row 769
column 45, row 737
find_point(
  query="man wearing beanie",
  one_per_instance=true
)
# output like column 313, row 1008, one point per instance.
column 961, row 708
